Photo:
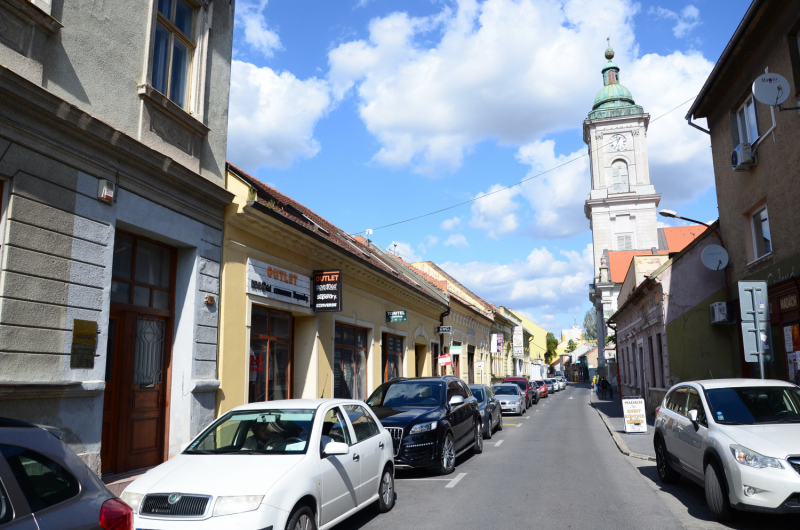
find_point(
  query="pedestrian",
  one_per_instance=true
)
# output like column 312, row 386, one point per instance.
column 605, row 387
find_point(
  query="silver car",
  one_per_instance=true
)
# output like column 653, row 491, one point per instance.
column 511, row 398
column 552, row 387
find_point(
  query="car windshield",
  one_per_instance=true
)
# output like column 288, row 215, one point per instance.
column 755, row 404
column 506, row 390
column 520, row 384
column 478, row 393
column 407, row 394
column 539, row 383
column 274, row 431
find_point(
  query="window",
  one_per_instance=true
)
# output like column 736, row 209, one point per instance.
column 270, row 355
column 141, row 272
column 174, row 46
column 334, row 429
column 619, row 177
column 350, row 363
column 747, row 121
column 43, row 482
column 762, row 239
column 363, row 424
column 435, row 359
column 652, row 362
column 625, row 241
column 695, row 403
column 392, row 362
column 677, row 401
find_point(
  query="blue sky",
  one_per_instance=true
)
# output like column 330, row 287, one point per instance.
column 371, row 112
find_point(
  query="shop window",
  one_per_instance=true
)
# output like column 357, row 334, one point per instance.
column 142, row 272
column 350, row 363
column 392, row 358
column 270, row 355
column 762, row 238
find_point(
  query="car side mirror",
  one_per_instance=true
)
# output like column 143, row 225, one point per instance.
column 693, row 419
column 456, row 400
column 336, row 448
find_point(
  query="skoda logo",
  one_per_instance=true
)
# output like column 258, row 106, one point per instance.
column 175, row 497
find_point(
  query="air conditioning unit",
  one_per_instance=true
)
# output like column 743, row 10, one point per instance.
column 719, row 313
column 742, row 157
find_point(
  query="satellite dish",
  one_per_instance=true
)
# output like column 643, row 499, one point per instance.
column 771, row 89
column 714, row 257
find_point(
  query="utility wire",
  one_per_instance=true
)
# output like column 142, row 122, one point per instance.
column 526, row 179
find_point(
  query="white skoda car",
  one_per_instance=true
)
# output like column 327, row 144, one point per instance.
column 293, row 464
column 738, row 438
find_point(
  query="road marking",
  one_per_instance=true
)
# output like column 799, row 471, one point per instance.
column 519, row 425
column 415, row 479
column 571, row 397
column 498, row 443
column 511, row 424
column 456, row 480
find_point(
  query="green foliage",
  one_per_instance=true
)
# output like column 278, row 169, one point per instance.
column 590, row 325
column 611, row 338
column 552, row 344
column 571, row 346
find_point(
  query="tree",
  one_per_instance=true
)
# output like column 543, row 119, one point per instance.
column 552, row 345
column 571, row 346
column 590, row 325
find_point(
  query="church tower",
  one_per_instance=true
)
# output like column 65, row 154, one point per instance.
column 621, row 207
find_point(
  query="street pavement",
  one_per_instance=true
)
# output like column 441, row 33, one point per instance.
column 556, row 467
column 637, row 443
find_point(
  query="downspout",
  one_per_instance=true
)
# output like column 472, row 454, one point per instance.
column 698, row 127
column 616, row 347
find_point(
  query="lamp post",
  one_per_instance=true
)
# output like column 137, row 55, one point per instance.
column 674, row 215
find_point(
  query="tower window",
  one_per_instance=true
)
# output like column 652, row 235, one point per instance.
column 619, row 177
column 624, row 241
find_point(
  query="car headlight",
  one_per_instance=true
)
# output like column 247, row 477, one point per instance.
column 132, row 499
column 238, row 504
column 748, row 457
column 423, row 427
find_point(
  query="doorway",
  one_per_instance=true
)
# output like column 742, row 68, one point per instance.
column 138, row 355
column 419, row 359
column 471, row 364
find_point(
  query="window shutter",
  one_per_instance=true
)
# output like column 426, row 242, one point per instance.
column 625, row 242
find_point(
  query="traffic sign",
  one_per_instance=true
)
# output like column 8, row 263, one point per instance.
column 754, row 307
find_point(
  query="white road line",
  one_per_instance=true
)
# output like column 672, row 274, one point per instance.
column 456, row 480
column 519, row 425
column 498, row 443
column 416, row 479
column 527, row 417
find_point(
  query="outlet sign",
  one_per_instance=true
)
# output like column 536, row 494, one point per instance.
column 327, row 291
column 269, row 281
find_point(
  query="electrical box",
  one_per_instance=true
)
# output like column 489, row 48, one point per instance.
column 106, row 190
column 719, row 313
column 742, row 157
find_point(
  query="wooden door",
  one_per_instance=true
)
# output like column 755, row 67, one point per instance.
column 109, row 440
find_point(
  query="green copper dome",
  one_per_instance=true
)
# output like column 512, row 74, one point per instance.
column 613, row 99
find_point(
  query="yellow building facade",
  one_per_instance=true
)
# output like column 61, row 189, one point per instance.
column 273, row 344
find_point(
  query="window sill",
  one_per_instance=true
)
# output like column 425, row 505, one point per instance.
column 30, row 13
column 174, row 111
column 758, row 261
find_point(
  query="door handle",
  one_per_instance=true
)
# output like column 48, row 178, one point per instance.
column 380, row 444
column 355, row 457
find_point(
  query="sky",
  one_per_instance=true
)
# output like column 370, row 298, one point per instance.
column 372, row 112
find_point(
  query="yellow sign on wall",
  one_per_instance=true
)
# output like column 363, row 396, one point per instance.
column 84, row 344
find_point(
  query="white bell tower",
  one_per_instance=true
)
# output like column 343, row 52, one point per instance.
column 621, row 207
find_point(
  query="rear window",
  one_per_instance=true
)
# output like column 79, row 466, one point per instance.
column 506, row 390
column 43, row 482
column 478, row 393
column 520, row 384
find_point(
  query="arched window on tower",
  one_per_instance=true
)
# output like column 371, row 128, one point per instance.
column 619, row 177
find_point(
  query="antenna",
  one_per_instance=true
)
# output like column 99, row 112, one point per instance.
column 395, row 248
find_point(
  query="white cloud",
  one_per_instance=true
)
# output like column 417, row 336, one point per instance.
column 272, row 116
column 495, row 213
column 543, row 284
column 685, row 21
column 428, row 242
column 256, row 30
column 404, row 250
column 451, row 224
column 456, row 240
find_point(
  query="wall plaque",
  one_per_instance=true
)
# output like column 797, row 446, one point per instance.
column 84, row 344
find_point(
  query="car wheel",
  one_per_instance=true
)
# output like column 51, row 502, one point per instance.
column 448, row 461
column 302, row 518
column 716, row 498
column 666, row 474
column 500, row 423
column 478, row 447
column 386, row 491
column 488, row 434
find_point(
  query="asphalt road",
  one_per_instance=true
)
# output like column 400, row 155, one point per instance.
column 557, row 467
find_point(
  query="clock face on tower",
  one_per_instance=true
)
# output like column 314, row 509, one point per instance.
column 618, row 142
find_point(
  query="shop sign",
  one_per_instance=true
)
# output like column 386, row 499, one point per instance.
column 444, row 360
column 500, row 343
column 273, row 282
column 633, row 411
column 519, row 349
column 493, row 344
column 455, row 349
column 789, row 302
column 479, row 365
column 444, row 329
column 327, row 291
column 84, row 343
column 396, row 316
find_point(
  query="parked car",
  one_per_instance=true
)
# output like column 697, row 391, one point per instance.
column 531, row 396
column 236, row 473
column 43, row 484
column 489, row 406
column 551, row 386
column 562, row 382
column 511, row 398
column 432, row 420
column 738, row 438
column 542, row 386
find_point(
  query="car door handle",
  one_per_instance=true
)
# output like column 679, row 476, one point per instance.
column 355, row 457
column 380, row 444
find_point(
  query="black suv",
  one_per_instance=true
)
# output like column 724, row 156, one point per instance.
column 432, row 420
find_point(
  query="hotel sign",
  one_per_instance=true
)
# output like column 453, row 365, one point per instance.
column 277, row 283
column 327, row 291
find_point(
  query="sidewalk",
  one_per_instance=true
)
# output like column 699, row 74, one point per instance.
column 611, row 412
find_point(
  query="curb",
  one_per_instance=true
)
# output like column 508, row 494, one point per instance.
column 621, row 445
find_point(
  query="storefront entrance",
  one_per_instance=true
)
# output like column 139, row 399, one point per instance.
column 138, row 355
column 270, row 355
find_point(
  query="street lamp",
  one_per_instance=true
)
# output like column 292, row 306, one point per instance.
column 674, row 215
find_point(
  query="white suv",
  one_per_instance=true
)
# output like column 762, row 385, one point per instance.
column 739, row 438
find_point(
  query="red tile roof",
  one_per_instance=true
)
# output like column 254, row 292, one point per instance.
column 678, row 237
column 487, row 307
column 299, row 214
